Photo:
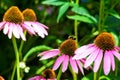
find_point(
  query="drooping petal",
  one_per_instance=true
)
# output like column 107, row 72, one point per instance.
column 2, row 24
column 116, row 54
column 6, row 28
column 98, row 61
column 58, row 62
column 15, row 31
column 85, row 53
column 38, row 30
column 21, row 32
column 73, row 65
column 65, row 63
column 10, row 30
column 28, row 28
column 91, row 57
column 112, row 60
column 83, row 48
column 80, row 66
column 42, row 28
column 53, row 50
column 107, row 63
column 49, row 54
column 42, row 25
column 117, row 48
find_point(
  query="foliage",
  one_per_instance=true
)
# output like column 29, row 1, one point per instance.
column 60, row 17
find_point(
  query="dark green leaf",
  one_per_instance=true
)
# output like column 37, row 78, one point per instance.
column 81, row 18
column 53, row 2
column 114, row 13
column 82, row 11
column 62, row 10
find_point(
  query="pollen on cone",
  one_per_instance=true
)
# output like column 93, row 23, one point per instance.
column 105, row 41
column 29, row 15
column 13, row 14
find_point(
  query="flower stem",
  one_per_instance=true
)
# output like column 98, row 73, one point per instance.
column 44, row 67
column 17, row 57
column 76, row 30
column 21, row 46
column 73, row 73
column 95, row 75
column 101, row 16
column 76, row 26
column 59, row 73
column 13, row 73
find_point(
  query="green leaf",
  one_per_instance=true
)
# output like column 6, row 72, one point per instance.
column 85, row 78
column 81, row 18
column 114, row 13
column 62, row 10
column 104, row 78
column 53, row 2
column 35, row 49
column 82, row 11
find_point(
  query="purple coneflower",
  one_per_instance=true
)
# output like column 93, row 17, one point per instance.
column 104, row 49
column 12, row 23
column 31, row 25
column 48, row 74
column 65, row 52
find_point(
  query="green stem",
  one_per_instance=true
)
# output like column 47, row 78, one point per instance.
column 76, row 30
column 21, row 46
column 116, row 71
column 13, row 73
column 59, row 73
column 95, row 75
column 101, row 16
column 44, row 67
column 17, row 57
column 73, row 73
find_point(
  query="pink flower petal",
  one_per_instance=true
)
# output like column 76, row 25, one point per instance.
column 80, row 66
column 28, row 28
column 21, row 32
column 112, row 60
column 38, row 30
column 49, row 54
column 83, row 48
column 85, row 53
column 53, row 50
column 2, row 24
column 65, row 63
column 15, row 31
column 10, row 30
column 98, row 61
column 116, row 54
column 58, row 62
column 92, row 57
column 42, row 25
column 6, row 28
column 42, row 28
column 73, row 65
column 107, row 63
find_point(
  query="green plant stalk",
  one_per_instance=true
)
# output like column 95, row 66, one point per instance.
column 21, row 46
column 73, row 73
column 13, row 73
column 95, row 75
column 76, row 30
column 101, row 16
column 76, row 26
column 17, row 57
column 59, row 73
column 44, row 67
